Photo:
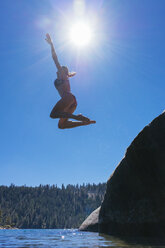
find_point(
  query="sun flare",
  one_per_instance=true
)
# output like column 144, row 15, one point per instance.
column 80, row 34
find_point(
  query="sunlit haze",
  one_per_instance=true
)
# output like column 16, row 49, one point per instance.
column 80, row 34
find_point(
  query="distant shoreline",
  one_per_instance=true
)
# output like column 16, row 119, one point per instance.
column 48, row 207
column 7, row 227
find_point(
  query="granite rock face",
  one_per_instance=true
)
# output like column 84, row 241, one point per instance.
column 134, row 202
column 91, row 222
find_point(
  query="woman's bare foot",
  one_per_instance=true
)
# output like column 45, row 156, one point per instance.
column 91, row 122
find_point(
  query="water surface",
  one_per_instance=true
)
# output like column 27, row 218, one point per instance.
column 70, row 238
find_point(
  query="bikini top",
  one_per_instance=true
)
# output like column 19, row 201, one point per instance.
column 59, row 82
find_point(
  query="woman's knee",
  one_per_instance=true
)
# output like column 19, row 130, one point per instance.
column 52, row 115
column 61, row 124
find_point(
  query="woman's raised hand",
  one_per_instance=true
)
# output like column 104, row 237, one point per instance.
column 48, row 39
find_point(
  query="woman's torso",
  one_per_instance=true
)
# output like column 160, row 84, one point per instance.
column 62, row 84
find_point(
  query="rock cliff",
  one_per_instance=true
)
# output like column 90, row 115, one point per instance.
column 134, row 203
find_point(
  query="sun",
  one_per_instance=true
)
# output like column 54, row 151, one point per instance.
column 80, row 34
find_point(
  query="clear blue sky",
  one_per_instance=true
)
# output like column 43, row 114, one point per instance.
column 119, row 83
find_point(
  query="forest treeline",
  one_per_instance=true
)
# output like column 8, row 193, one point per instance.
column 48, row 206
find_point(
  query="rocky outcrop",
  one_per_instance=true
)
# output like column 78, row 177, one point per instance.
column 91, row 223
column 134, row 202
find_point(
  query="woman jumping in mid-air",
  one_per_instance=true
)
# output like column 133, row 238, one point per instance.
column 65, row 107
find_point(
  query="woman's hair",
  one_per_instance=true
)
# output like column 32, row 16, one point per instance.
column 69, row 74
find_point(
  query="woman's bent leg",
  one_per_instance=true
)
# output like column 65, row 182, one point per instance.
column 65, row 107
column 59, row 108
column 64, row 123
column 66, row 115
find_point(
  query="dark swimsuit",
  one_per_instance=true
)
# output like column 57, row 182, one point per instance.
column 59, row 82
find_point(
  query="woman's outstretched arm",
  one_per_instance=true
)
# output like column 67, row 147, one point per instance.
column 54, row 55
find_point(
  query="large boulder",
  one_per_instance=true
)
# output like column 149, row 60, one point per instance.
column 134, row 202
column 91, row 222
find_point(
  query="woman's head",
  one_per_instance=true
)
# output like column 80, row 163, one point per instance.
column 66, row 71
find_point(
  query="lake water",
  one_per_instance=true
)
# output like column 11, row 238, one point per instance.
column 46, row 238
